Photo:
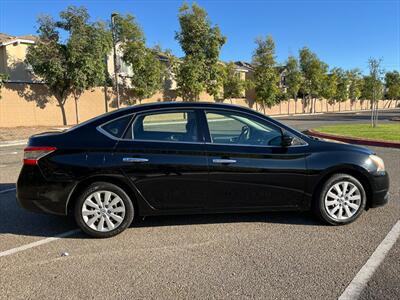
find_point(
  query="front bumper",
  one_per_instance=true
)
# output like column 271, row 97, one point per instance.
column 380, row 190
column 36, row 194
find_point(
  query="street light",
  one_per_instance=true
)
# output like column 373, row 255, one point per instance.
column 115, row 57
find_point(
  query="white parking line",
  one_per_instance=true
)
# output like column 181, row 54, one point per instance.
column 8, row 153
column 13, row 143
column 359, row 282
column 7, row 190
column 38, row 243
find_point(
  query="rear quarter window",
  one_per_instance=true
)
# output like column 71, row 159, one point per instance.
column 117, row 127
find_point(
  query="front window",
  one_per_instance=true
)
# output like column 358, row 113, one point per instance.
column 166, row 126
column 238, row 129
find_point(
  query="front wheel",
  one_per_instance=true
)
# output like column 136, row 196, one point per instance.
column 341, row 200
column 103, row 210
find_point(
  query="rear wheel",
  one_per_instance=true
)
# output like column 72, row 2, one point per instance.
column 103, row 210
column 341, row 200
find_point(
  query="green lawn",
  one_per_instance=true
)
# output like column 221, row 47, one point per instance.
column 388, row 132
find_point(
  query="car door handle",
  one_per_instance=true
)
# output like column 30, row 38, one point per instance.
column 134, row 159
column 223, row 161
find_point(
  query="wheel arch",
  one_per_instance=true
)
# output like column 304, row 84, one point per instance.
column 117, row 180
column 351, row 170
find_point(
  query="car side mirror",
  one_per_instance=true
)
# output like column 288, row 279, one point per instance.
column 287, row 140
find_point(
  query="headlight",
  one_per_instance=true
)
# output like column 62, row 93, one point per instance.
column 378, row 162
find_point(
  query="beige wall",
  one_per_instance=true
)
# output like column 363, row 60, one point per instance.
column 18, row 108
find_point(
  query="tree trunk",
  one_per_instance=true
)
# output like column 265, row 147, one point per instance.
column 105, row 98
column 340, row 102
column 304, row 104
column 64, row 116
column 295, row 105
column 288, row 106
column 76, row 98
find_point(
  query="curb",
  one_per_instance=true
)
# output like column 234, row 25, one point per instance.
column 352, row 140
column 13, row 143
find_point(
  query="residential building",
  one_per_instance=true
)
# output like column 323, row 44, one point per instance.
column 13, row 53
column 12, row 57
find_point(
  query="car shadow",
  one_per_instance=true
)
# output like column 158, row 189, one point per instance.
column 290, row 218
column 17, row 221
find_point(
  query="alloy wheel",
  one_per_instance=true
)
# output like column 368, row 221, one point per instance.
column 343, row 200
column 103, row 211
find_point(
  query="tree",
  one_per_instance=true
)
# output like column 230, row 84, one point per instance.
column 266, row 77
column 70, row 67
column 329, row 88
column 147, row 71
column 392, row 84
column 342, row 92
column 355, row 84
column 293, row 79
column 201, row 42
column 233, row 84
column 373, row 87
column 3, row 78
column 87, row 46
column 313, row 71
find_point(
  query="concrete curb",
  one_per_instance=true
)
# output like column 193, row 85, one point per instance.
column 13, row 143
column 351, row 140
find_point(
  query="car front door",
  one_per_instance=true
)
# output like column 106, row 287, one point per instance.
column 248, row 169
column 163, row 155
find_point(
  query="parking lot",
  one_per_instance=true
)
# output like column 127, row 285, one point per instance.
column 264, row 255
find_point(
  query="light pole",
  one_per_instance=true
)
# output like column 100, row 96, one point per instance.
column 115, row 58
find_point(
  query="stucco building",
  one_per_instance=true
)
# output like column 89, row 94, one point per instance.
column 12, row 57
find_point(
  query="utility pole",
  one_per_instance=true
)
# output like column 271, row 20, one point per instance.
column 115, row 58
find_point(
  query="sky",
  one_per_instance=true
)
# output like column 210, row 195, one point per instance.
column 342, row 33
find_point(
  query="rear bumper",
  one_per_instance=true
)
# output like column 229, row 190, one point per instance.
column 380, row 190
column 36, row 194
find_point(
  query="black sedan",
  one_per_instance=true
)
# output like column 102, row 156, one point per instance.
column 189, row 158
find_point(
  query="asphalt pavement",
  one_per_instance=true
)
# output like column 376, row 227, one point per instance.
column 264, row 255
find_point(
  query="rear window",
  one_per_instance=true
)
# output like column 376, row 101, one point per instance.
column 166, row 126
column 117, row 127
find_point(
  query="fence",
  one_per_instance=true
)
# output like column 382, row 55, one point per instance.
column 18, row 106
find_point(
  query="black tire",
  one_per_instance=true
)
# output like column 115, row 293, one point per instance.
column 104, row 186
column 319, row 201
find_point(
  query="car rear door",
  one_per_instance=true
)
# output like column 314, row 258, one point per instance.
column 163, row 155
column 245, row 173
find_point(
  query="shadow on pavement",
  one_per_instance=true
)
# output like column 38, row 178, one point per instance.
column 18, row 221
column 292, row 218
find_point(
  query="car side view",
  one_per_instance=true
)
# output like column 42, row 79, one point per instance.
column 192, row 158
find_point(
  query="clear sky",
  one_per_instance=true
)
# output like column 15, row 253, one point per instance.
column 342, row 33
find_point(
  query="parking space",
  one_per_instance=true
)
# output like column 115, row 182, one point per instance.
column 263, row 255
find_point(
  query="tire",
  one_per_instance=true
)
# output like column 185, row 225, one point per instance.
column 337, row 208
column 103, row 210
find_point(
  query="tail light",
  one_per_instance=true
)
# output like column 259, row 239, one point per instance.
column 33, row 154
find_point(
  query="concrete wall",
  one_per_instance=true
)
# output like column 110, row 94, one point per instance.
column 32, row 105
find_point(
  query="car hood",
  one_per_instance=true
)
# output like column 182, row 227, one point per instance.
column 339, row 146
